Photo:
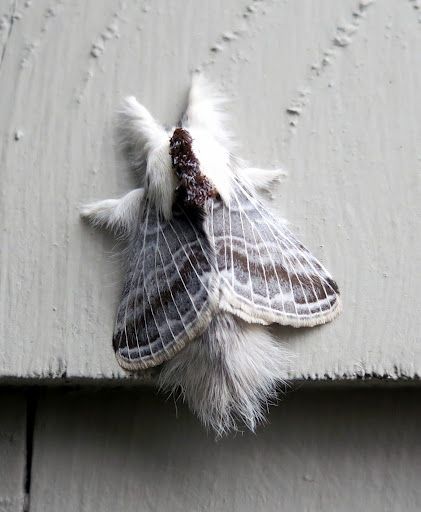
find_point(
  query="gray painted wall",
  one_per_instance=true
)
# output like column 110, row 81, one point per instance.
column 328, row 89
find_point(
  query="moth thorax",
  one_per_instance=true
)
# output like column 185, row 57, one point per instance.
column 194, row 188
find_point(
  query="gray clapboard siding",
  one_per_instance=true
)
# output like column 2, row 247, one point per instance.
column 12, row 451
column 322, row 451
column 328, row 89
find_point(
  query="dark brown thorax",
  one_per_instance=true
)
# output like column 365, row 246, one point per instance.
column 194, row 187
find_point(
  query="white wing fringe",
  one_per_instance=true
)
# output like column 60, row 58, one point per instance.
column 229, row 375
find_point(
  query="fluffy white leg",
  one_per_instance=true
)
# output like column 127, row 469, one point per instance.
column 145, row 145
column 262, row 179
column 229, row 375
column 205, row 110
column 114, row 214
column 137, row 129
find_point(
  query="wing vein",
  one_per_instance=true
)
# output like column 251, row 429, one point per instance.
column 188, row 257
column 144, row 288
column 134, row 301
column 294, row 246
column 179, row 274
column 247, row 256
column 290, row 238
column 232, row 254
column 197, row 236
column 224, row 240
column 288, row 267
column 159, row 292
column 270, row 257
column 169, row 287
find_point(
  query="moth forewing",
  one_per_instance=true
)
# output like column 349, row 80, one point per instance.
column 267, row 275
column 170, row 292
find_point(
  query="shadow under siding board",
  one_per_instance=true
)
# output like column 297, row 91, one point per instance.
column 12, row 450
column 321, row 451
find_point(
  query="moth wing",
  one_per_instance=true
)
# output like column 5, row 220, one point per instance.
column 267, row 275
column 170, row 293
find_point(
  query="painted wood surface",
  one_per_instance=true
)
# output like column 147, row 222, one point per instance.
column 322, row 451
column 328, row 89
column 13, row 470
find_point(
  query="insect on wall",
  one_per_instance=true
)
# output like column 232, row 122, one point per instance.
column 208, row 267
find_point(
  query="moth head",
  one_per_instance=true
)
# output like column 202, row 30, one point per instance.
column 150, row 149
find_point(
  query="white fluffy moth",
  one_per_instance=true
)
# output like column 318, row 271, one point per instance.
column 208, row 267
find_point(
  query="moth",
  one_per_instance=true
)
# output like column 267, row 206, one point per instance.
column 208, row 266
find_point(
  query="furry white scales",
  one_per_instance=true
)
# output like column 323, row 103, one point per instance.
column 207, row 266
